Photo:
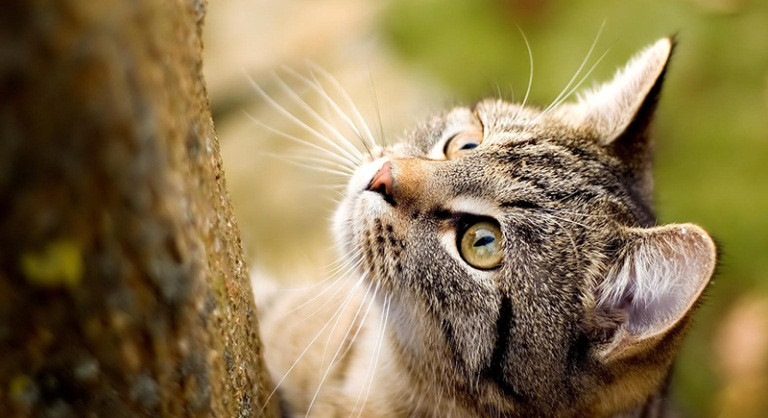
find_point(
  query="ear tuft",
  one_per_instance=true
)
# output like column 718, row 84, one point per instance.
column 663, row 272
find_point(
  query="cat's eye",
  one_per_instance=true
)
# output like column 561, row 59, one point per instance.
column 463, row 142
column 480, row 245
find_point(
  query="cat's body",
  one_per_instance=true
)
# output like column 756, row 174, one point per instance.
column 513, row 266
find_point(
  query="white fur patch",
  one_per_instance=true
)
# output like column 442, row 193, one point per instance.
column 475, row 206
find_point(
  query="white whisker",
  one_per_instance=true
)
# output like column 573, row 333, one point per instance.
column 290, row 369
column 375, row 358
column 341, row 277
column 315, row 85
column 576, row 87
column 339, row 158
column 307, row 159
column 378, row 110
column 343, row 340
column 574, row 247
column 568, row 220
column 371, row 302
column 578, row 71
column 530, row 75
column 312, row 112
column 360, row 280
column 294, row 162
column 349, row 101
column 586, row 215
column 290, row 116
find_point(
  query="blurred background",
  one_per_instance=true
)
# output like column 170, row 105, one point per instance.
column 402, row 59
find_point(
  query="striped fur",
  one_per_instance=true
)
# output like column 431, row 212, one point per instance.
column 582, row 318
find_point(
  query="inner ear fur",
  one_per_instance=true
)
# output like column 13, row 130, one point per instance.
column 653, row 286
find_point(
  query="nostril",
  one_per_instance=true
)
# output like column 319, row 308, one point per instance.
column 382, row 182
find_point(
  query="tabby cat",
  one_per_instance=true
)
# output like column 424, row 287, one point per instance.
column 505, row 261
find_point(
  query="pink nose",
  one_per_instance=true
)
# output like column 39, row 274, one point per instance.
column 382, row 181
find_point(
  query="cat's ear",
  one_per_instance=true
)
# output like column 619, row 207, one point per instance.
column 657, row 281
column 621, row 109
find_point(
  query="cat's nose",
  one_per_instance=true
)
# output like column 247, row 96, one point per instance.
column 382, row 182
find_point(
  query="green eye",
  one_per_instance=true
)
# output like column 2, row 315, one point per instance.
column 463, row 142
column 480, row 245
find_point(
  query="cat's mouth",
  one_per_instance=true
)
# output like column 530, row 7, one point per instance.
column 366, row 175
column 359, row 203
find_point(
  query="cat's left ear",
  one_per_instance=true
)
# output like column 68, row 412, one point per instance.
column 655, row 284
column 619, row 111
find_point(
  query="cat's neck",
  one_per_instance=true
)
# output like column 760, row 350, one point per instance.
column 381, row 383
column 657, row 405
column 396, row 389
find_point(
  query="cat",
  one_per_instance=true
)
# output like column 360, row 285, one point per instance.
column 505, row 261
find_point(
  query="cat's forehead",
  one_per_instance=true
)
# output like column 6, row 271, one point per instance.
column 508, row 122
column 501, row 122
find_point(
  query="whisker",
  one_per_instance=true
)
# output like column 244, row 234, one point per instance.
column 343, row 340
column 576, row 87
column 586, row 215
column 348, row 99
column 341, row 277
column 339, row 158
column 378, row 109
column 345, row 260
column 290, row 369
column 573, row 241
column 371, row 302
column 361, row 279
column 294, row 162
column 338, row 188
column 307, row 158
column 332, row 269
column 578, row 71
column 568, row 220
column 375, row 358
column 354, row 407
column 312, row 112
column 530, row 75
column 318, row 87
column 290, row 116
column 344, row 303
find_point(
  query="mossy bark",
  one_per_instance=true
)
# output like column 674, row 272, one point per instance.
column 123, row 289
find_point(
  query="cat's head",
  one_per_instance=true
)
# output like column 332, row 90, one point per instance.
column 520, row 254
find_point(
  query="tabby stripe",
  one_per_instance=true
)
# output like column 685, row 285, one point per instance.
column 495, row 370
column 450, row 339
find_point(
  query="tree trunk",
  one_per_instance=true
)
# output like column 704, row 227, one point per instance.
column 123, row 289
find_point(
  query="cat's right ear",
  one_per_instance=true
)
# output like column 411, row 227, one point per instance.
column 655, row 285
column 618, row 114
column 621, row 109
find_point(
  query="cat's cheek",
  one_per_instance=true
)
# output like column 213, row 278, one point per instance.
column 346, row 224
column 356, row 205
column 355, row 216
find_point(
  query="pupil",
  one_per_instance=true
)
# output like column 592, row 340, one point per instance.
column 483, row 241
column 469, row 145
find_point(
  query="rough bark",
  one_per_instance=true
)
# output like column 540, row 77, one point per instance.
column 123, row 289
